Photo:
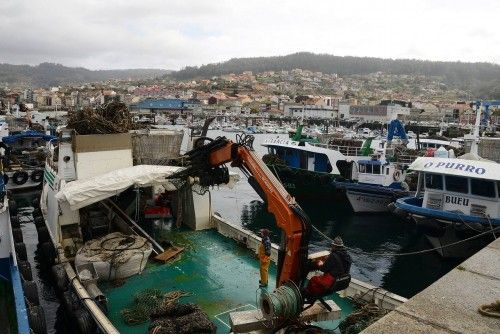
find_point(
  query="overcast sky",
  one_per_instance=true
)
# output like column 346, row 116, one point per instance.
column 170, row 34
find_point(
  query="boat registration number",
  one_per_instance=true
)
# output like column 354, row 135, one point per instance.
column 456, row 200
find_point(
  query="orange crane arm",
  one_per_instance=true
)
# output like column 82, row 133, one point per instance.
column 290, row 218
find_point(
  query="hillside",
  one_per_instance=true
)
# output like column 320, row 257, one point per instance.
column 48, row 74
column 481, row 79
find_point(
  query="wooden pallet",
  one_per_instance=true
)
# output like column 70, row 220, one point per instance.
column 169, row 254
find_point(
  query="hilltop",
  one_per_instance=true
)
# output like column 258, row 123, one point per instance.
column 49, row 74
column 481, row 79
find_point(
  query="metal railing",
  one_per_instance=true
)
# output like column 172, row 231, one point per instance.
column 345, row 150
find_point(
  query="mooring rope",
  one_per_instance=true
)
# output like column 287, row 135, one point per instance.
column 358, row 251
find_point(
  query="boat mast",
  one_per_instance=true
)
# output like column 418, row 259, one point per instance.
column 475, row 135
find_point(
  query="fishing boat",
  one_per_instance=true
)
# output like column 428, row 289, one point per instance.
column 309, row 169
column 456, row 199
column 379, row 183
column 457, row 203
column 19, row 301
column 24, row 159
column 93, row 190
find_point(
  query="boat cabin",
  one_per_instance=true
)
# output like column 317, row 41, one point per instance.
column 468, row 187
column 379, row 172
column 296, row 157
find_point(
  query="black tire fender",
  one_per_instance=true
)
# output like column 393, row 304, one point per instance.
column 17, row 234
column 59, row 277
column 37, row 176
column 31, row 292
column 43, row 234
column 36, row 318
column 20, row 177
column 25, row 270
column 20, row 248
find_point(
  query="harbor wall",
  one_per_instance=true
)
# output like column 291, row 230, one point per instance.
column 450, row 305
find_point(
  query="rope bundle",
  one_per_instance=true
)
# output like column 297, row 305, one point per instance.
column 284, row 303
column 146, row 302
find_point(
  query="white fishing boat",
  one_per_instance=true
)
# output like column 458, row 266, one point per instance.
column 457, row 203
column 379, row 183
column 456, row 199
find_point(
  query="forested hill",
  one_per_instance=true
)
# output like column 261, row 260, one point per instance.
column 48, row 74
column 470, row 76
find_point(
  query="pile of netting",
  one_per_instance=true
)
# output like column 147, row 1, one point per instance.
column 113, row 117
column 115, row 255
column 364, row 315
column 147, row 302
column 177, row 318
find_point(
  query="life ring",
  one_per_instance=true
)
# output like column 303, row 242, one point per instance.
column 20, row 178
column 397, row 175
column 37, row 176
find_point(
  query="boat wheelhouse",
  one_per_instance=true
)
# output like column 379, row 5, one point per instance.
column 379, row 183
column 456, row 199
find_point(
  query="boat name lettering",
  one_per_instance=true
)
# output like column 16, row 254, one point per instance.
column 456, row 200
column 458, row 166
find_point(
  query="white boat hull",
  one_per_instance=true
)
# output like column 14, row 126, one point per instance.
column 362, row 202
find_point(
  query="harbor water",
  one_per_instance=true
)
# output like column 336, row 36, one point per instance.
column 384, row 233
column 369, row 233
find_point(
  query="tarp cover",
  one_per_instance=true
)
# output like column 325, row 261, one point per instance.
column 82, row 193
column 27, row 134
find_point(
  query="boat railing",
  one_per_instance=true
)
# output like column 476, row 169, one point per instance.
column 406, row 159
column 345, row 150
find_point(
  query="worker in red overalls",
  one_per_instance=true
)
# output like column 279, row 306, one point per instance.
column 337, row 264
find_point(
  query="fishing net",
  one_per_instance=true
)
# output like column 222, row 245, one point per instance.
column 180, row 319
column 364, row 316
column 113, row 117
column 147, row 302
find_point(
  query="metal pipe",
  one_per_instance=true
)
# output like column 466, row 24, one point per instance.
column 100, row 318
column 157, row 249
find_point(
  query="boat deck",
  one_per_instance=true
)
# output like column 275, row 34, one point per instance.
column 220, row 275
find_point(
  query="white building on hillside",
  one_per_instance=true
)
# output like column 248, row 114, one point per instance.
column 380, row 113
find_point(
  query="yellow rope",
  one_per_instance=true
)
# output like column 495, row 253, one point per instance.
column 490, row 310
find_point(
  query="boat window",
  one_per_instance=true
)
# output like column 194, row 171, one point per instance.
column 362, row 168
column 376, row 169
column 387, row 171
column 457, row 184
column 368, row 169
column 433, row 181
column 482, row 188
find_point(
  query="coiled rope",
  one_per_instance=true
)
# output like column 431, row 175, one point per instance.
column 284, row 303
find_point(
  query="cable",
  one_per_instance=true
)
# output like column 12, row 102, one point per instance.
column 354, row 250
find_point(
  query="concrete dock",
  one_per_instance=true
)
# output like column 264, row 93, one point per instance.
column 450, row 305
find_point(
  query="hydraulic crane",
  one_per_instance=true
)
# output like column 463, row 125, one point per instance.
column 206, row 162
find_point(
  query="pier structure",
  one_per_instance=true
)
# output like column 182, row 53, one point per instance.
column 450, row 305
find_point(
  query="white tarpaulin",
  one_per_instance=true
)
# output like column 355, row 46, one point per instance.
column 82, row 193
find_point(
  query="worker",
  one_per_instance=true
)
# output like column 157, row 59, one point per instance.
column 336, row 265
column 264, row 257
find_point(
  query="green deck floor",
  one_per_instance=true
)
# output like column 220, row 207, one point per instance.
column 220, row 275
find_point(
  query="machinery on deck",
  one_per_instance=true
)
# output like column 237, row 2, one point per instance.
column 205, row 166
column 206, row 162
